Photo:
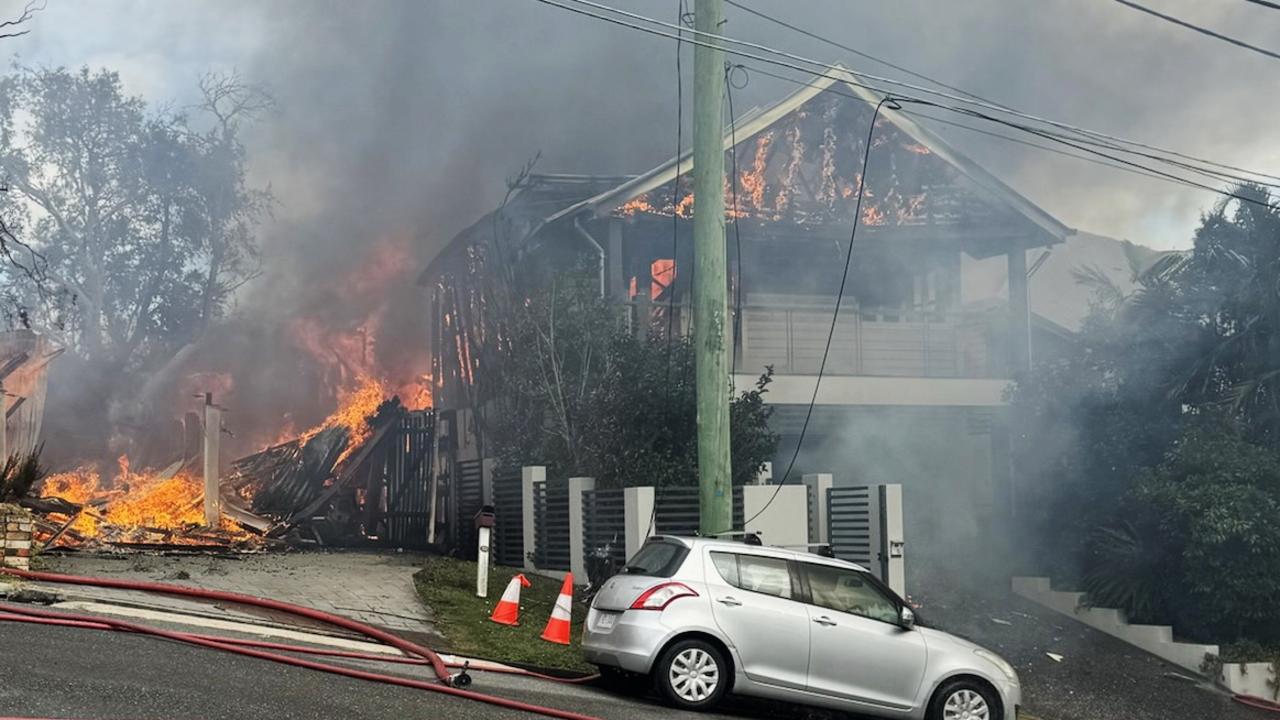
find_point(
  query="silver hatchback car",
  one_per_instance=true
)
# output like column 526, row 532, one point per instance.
column 701, row 617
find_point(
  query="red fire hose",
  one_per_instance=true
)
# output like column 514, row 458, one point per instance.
column 244, row 648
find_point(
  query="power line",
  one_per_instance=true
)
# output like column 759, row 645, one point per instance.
column 1116, row 163
column 729, row 87
column 854, row 51
column 859, row 79
column 1265, row 3
column 835, row 314
column 1203, row 30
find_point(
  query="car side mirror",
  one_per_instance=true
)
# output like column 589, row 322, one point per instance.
column 906, row 618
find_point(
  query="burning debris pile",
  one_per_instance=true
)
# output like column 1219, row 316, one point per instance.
column 144, row 510
column 326, row 486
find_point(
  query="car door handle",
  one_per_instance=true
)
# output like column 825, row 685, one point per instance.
column 729, row 602
column 824, row 620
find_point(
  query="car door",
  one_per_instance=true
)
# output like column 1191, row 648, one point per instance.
column 857, row 650
column 753, row 601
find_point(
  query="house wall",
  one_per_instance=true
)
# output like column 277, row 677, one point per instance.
column 949, row 461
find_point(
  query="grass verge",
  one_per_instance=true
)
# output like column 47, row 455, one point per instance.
column 448, row 587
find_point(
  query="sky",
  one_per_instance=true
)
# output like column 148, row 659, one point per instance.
column 408, row 115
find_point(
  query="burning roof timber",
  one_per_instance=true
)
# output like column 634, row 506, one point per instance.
column 797, row 165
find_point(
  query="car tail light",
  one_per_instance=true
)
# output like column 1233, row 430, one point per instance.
column 659, row 597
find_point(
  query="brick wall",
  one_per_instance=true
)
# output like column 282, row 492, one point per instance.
column 15, row 537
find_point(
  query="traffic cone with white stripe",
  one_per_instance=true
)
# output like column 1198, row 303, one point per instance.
column 557, row 630
column 507, row 611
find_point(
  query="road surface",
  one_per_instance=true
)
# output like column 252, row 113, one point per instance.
column 56, row 672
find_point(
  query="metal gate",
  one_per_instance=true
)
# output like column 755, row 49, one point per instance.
column 604, row 523
column 865, row 526
column 676, row 510
column 468, row 497
column 408, row 479
column 508, row 504
column 551, row 526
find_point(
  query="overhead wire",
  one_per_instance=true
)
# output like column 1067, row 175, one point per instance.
column 835, row 313
column 1200, row 29
column 861, row 79
column 1265, row 3
column 1118, row 164
column 729, row 87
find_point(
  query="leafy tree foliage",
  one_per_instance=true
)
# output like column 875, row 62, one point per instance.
column 140, row 219
column 1149, row 451
column 582, row 394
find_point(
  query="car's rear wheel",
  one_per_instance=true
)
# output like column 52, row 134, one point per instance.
column 964, row 700
column 692, row 674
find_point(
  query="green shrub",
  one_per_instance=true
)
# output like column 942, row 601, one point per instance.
column 1197, row 542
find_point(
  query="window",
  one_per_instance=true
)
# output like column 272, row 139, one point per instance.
column 766, row 575
column 657, row 559
column 850, row 592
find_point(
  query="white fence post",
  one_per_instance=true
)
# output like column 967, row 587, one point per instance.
column 819, row 484
column 894, row 546
column 638, row 507
column 779, row 520
column 577, row 558
column 530, row 475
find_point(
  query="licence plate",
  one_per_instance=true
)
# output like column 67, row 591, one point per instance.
column 606, row 621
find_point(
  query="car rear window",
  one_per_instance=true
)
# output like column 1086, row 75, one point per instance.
column 660, row 558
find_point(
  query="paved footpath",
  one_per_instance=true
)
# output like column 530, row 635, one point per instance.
column 371, row 587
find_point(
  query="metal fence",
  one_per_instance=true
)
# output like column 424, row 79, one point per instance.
column 408, row 474
column 604, row 523
column 508, row 503
column 551, row 526
column 676, row 510
column 854, row 525
column 468, row 497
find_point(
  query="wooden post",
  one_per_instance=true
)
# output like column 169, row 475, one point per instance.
column 711, row 323
column 4, row 426
column 212, row 443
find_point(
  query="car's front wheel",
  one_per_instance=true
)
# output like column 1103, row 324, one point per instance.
column 964, row 700
column 692, row 674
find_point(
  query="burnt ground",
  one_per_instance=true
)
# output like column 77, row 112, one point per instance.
column 1099, row 677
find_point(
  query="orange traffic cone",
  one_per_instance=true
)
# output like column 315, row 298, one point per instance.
column 557, row 630
column 507, row 611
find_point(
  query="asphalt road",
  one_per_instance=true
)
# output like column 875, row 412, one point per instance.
column 54, row 672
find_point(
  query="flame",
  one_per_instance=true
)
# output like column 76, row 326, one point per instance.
column 135, row 506
column 872, row 215
column 663, row 271
column 916, row 148
column 636, row 205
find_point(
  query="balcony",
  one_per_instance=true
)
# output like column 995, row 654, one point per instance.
column 790, row 333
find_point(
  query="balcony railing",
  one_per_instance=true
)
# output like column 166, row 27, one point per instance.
column 791, row 337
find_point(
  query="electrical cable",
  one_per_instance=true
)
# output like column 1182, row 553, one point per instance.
column 729, row 87
column 854, row 51
column 682, row 14
column 1265, row 3
column 1119, row 164
column 1048, row 135
column 856, row 78
column 835, row 314
column 1200, row 29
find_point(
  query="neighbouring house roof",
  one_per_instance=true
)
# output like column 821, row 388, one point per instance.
column 605, row 202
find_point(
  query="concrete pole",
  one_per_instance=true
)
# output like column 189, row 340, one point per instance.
column 212, row 451
column 711, row 327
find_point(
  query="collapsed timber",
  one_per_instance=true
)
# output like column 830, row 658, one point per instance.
column 334, row 486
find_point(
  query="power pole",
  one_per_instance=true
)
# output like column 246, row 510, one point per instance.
column 711, row 325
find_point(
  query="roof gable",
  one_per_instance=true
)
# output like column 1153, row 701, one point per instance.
column 799, row 161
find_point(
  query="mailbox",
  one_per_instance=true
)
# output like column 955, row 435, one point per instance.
column 486, row 517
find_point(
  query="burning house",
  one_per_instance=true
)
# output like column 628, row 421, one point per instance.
column 322, row 435
column 913, row 391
